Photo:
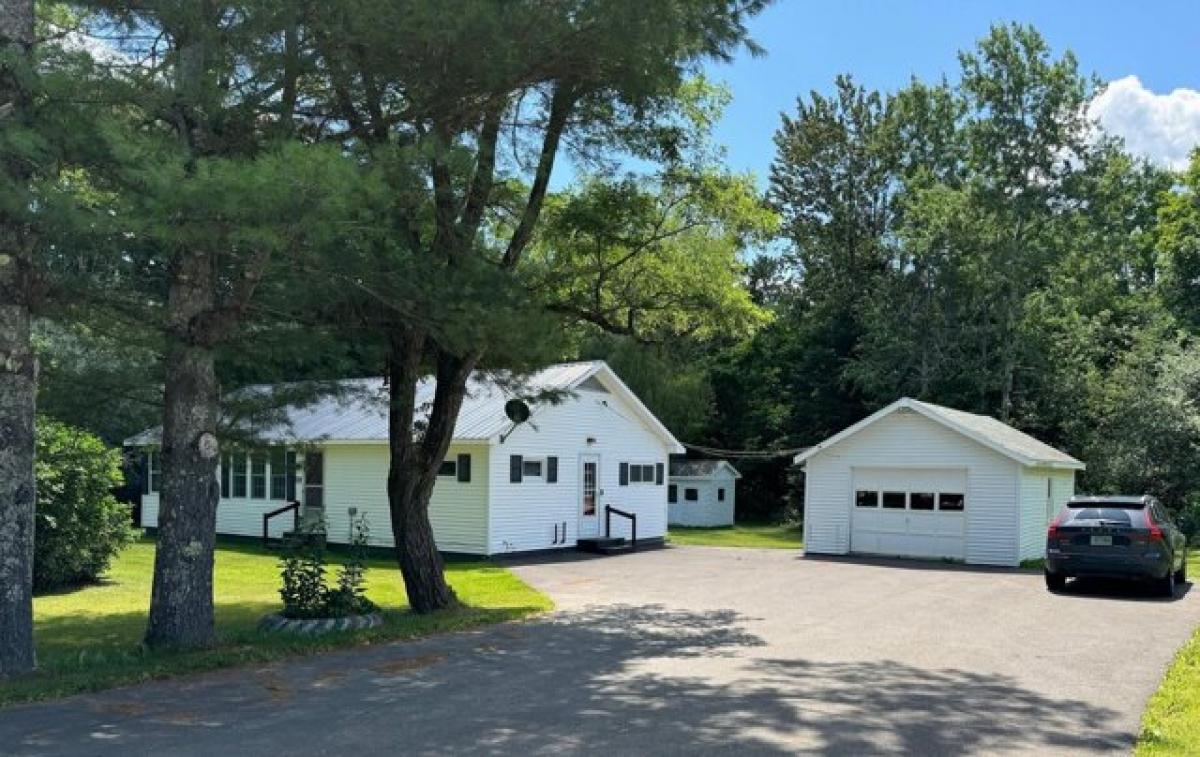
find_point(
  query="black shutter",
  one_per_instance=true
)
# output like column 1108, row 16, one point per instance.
column 658, row 474
column 146, row 473
column 464, row 468
column 624, row 474
column 552, row 470
column 672, row 493
column 514, row 468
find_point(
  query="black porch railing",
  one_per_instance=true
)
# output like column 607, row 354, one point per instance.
column 293, row 506
column 610, row 511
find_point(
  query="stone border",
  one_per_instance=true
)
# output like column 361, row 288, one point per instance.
column 317, row 626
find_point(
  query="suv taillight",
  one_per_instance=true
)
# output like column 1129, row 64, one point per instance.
column 1156, row 533
column 1052, row 531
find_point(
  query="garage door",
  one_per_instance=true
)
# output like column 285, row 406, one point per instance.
column 907, row 512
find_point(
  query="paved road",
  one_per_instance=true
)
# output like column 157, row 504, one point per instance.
column 686, row 650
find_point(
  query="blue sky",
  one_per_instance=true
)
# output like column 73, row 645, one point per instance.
column 884, row 42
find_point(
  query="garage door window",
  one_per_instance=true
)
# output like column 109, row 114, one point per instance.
column 894, row 500
column 950, row 502
column 864, row 498
column 921, row 500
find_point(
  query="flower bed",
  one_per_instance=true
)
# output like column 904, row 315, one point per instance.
column 315, row 626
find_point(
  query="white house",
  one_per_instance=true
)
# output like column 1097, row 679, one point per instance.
column 543, row 484
column 702, row 493
column 921, row 480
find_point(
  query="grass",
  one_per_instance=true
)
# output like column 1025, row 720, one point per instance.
column 88, row 639
column 1171, row 724
column 774, row 536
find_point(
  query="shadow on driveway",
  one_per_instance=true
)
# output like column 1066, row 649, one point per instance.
column 619, row 679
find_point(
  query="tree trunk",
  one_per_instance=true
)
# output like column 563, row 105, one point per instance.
column 18, row 388
column 414, row 463
column 181, row 601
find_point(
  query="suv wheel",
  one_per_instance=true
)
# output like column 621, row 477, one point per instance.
column 1166, row 585
column 1055, row 581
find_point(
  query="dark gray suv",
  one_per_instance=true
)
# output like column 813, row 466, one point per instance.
column 1116, row 537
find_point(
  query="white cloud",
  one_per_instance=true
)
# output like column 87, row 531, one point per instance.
column 1163, row 128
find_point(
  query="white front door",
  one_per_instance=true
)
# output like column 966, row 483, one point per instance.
column 589, row 496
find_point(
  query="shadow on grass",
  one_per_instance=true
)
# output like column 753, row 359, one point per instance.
column 92, row 653
column 636, row 679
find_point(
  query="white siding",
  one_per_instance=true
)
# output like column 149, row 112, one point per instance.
column 906, row 439
column 523, row 516
column 236, row 517
column 707, row 510
column 1036, row 512
column 356, row 477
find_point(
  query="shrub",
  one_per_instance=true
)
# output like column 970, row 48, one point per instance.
column 79, row 524
column 302, row 569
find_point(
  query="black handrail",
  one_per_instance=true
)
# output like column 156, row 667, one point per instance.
column 608, row 512
column 294, row 506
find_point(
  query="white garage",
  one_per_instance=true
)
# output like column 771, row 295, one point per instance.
column 922, row 480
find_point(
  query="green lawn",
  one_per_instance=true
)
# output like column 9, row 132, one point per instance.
column 774, row 536
column 89, row 639
column 1171, row 724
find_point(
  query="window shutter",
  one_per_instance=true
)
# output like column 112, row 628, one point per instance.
column 464, row 468
column 146, row 473
column 552, row 470
column 658, row 474
column 624, row 474
column 290, row 467
column 672, row 493
column 514, row 468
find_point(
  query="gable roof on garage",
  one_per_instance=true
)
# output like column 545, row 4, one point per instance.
column 983, row 429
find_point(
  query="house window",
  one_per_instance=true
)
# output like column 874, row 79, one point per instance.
column 721, row 494
column 672, row 493
column 448, row 468
column 691, row 495
column 866, row 498
column 641, row 474
column 948, row 502
column 258, row 476
column 239, row 476
column 531, row 468
column 920, row 500
column 153, row 482
column 290, row 473
column 226, row 470
column 278, row 473
column 894, row 500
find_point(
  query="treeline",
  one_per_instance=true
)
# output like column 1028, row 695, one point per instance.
column 201, row 195
column 975, row 242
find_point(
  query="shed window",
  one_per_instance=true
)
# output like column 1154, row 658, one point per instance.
column 258, row 476
column 949, row 502
column 866, row 498
column 531, row 468
column 448, row 468
column 921, row 500
column 894, row 500
column 691, row 495
column 672, row 493
column 239, row 476
column 721, row 494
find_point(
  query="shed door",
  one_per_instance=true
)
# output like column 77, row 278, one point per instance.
column 909, row 512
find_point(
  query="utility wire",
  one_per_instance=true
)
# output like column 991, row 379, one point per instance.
column 761, row 454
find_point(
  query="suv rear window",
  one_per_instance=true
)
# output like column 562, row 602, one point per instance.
column 1115, row 514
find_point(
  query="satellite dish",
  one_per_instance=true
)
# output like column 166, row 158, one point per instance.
column 516, row 410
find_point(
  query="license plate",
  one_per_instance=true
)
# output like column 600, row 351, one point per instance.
column 1101, row 541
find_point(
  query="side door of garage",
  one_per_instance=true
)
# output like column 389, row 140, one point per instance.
column 909, row 512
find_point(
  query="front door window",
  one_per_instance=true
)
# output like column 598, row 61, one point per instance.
column 589, row 487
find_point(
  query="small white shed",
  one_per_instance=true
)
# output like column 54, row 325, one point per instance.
column 921, row 480
column 702, row 493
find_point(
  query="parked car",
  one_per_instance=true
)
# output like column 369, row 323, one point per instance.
column 1116, row 537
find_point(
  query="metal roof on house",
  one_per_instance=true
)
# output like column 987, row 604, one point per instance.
column 982, row 428
column 358, row 411
column 700, row 468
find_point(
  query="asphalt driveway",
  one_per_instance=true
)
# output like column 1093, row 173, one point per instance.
column 685, row 650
